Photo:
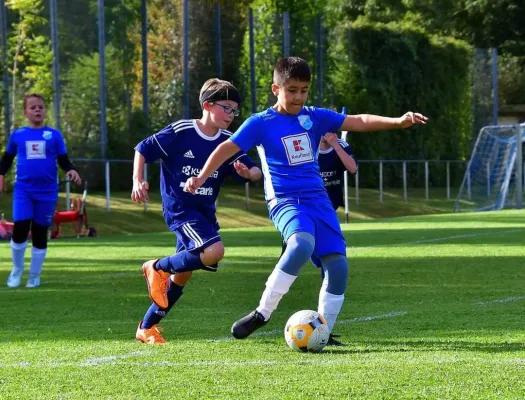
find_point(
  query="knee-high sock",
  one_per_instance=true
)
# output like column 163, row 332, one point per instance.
column 155, row 314
column 182, row 261
column 37, row 261
column 299, row 248
column 18, row 251
column 331, row 295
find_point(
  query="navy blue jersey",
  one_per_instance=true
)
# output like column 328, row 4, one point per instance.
column 288, row 147
column 183, row 150
column 36, row 151
column 332, row 172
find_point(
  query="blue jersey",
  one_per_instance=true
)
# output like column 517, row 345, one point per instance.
column 36, row 150
column 183, row 150
column 288, row 147
column 332, row 170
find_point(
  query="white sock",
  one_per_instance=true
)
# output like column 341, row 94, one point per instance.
column 37, row 261
column 330, row 305
column 18, row 251
column 277, row 286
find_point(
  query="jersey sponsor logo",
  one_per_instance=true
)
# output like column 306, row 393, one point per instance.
column 47, row 135
column 298, row 149
column 35, row 149
column 188, row 170
column 305, row 121
column 327, row 174
column 189, row 154
column 202, row 191
column 335, row 182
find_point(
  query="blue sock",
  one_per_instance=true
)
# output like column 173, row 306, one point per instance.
column 299, row 248
column 181, row 262
column 18, row 251
column 155, row 314
column 335, row 267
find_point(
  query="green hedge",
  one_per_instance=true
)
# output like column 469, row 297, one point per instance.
column 388, row 69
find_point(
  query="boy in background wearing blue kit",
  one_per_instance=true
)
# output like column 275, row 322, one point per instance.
column 37, row 148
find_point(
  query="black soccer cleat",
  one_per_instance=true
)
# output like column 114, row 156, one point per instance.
column 332, row 341
column 248, row 324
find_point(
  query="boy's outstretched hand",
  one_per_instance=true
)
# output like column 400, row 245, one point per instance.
column 139, row 194
column 412, row 118
column 242, row 169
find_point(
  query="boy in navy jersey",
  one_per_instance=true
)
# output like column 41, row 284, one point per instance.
column 37, row 148
column 287, row 137
column 183, row 147
column 335, row 157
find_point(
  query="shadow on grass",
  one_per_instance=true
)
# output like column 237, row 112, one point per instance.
column 106, row 304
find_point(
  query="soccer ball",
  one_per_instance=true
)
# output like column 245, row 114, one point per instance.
column 306, row 330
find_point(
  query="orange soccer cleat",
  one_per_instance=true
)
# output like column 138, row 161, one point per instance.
column 150, row 336
column 157, row 283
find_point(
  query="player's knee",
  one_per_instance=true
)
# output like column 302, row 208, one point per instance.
column 39, row 235
column 302, row 244
column 212, row 254
column 336, row 270
column 21, row 231
column 181, row 278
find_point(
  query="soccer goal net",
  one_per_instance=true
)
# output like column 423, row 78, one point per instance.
column 494, row 175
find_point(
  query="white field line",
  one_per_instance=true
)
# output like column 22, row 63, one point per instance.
column 116, row 359
column 111, row 359
column 274, row 332
column 506, row 300
column 439, row 239
column 316, row 359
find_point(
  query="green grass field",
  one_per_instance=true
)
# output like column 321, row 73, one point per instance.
column 434, row 310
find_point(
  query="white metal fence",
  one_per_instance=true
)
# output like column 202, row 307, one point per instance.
column 404, row 175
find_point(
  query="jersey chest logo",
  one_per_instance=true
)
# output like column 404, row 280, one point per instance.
column 298, row 149
column 35, row 149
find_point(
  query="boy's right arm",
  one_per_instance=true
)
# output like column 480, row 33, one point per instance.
column 139, row 193
column 7, row 160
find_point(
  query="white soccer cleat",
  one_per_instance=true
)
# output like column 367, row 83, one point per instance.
column 33, row 281
column 15, row 277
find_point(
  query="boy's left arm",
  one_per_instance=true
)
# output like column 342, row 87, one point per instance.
column 348, row 161
column 65, row 163
column 369, row 122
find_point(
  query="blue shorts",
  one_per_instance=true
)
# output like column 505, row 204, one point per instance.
column 38, row 205
column 315, row 216
column 197, row 233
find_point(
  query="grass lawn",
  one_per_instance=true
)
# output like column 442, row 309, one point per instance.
column 434, row 310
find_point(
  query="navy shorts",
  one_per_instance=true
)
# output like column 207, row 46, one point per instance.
column 197, row 232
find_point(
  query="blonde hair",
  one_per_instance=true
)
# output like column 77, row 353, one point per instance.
column 215, row 84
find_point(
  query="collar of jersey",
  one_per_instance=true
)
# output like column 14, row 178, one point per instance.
column 273, row 111
column 328, row 150
column 202, row 135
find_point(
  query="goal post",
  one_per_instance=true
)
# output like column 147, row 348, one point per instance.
column 493, row 179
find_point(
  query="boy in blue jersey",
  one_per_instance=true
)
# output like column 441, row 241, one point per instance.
column 183, row 147
column 287, row 137
column 37, row 148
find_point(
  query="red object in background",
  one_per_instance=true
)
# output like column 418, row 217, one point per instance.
column 6, row 230
column 77, row 216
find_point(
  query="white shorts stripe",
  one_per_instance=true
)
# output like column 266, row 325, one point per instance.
column 190, row 232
